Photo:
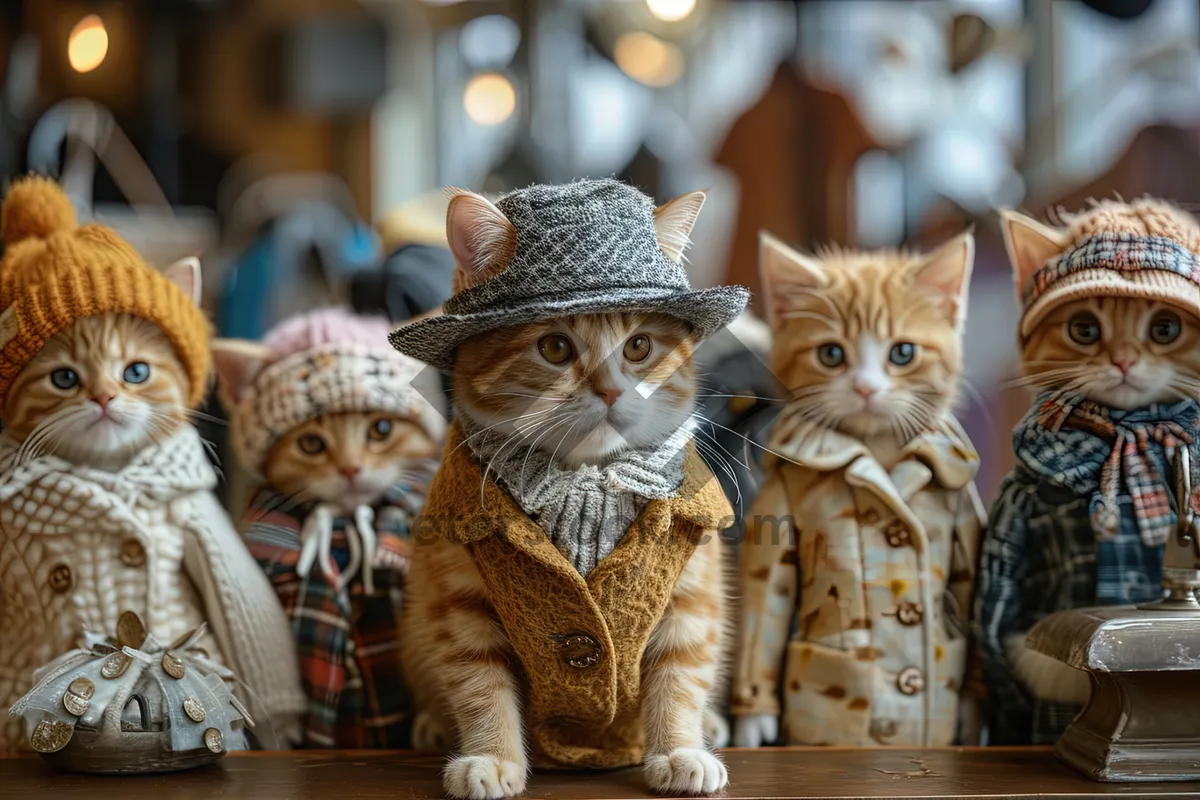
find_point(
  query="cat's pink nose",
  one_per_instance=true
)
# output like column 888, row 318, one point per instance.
column 866, row 392
column 608, row 395
column 350, row 472
column 1124, row 363
column 102, row 400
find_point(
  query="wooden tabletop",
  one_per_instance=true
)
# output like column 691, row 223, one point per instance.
column 769, row 773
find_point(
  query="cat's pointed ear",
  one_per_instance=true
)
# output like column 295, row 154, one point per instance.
column 237, row 363
column 945, row 274
column 1030, row 244
column 185, row 273
column 481, row 238
column 783, row 271
column 673, row 223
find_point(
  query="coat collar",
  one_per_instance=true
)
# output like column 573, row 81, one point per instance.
column 943, row 454
column 459, row 484
column 168, row 469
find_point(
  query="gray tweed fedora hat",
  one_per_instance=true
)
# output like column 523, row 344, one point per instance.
column 587, row 247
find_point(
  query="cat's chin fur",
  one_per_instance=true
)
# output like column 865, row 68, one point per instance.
column 1047, row 678
column 108, row 443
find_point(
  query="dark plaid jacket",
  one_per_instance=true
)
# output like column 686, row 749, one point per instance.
column 346, row 640
column 1041, row 555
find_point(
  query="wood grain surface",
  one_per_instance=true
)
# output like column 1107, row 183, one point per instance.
column 769, row 773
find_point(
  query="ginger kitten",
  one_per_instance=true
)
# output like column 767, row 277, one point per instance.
column 349, row 459
column 1121, row 352
column 102, row 390
column 580, row 391
column 870, row 343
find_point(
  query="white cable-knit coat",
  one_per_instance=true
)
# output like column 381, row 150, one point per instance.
column 79, row 546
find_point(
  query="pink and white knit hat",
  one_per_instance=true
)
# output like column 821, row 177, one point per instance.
column 330, row 361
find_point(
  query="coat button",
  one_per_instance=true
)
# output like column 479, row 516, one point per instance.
column 910, row 681
column 580, row 650
column 909, row 613
column 132, row 553
column 60, row 578
column 897, row 534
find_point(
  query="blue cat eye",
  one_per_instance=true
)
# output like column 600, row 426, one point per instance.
column 831, row 355
column 137, row 372
column 903, row 353
column 64, row 379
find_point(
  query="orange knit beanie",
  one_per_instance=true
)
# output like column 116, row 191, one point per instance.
column 55, row 272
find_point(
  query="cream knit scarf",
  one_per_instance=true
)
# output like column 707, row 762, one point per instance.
column 585, row 511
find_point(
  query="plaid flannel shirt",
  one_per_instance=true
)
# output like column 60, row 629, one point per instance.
column 346, row 640
column 1040, row 555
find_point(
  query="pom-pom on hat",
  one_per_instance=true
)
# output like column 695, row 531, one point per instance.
column 327, row 361
column 55, row 272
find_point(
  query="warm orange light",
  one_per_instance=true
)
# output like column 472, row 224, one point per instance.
column 88, row 44
column 490, row 99
column 647, row 59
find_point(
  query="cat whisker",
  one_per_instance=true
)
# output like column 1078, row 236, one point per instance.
column 467, row 439
column 752, row 442
column 741, row 397
column 708, row 449
column 523, row 433
column 532, row 447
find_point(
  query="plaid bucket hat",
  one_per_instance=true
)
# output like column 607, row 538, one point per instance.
column 1114, row 264
column 587, row 247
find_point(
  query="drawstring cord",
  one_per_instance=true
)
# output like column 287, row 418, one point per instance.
column 316, row 546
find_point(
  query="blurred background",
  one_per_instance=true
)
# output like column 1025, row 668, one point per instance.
column 299, row 146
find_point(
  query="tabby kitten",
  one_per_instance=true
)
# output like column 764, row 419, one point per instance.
column 580, row 390
column 1121, row 352
column 870, row 343
column 349, row 459
column 103, row 389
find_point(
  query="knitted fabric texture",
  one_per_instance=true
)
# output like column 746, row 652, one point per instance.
column 1114, row 263
column 1073, row 443
column 332, row 361
column 573, row 717
column 584, row 511
column 55, row 272
column 1123, row 252
column 587, row 247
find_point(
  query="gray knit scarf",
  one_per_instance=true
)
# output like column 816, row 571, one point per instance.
column 584, row 511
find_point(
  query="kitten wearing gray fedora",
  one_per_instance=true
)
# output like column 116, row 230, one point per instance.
column 567, row 602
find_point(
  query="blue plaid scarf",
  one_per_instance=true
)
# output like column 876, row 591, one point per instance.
column 1074, row 443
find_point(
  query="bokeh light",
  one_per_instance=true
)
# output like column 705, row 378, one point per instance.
column 490, row 98
column 647, row 59
column 88, row 44
column 671, row 10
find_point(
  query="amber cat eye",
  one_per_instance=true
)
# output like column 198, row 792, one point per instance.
column 555, row 348
column 1084, row 328
column 311, row 444
column 380, row 430
column 1165, row 327
column 637, row 348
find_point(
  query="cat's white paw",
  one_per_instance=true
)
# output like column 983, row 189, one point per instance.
column 429, row 735
column 686, row 770
column 755, row 730
column 716, row 729
column 483, row 778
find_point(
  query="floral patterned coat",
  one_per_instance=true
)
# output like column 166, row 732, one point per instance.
column 857, row 587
